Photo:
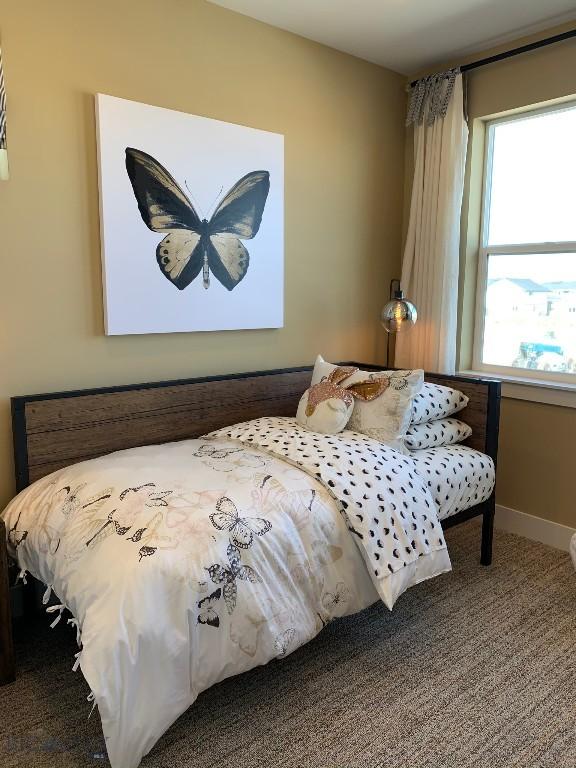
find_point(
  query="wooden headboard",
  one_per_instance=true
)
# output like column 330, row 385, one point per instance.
column 55, row 430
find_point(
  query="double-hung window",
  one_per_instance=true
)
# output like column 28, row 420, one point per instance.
column 526, row 301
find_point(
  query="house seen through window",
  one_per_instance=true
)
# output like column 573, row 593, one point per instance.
column 527, row 263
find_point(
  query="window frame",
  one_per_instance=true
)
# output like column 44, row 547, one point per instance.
column 550, row 378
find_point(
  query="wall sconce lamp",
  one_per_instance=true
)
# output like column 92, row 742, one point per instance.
column 398, row 314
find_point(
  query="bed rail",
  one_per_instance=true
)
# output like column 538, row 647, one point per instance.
column 57, row 429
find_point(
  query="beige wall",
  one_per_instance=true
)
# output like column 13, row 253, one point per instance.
column 343, row 124
column 537, row 441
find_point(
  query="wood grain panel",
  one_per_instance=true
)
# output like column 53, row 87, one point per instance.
column 475, row 412
column 67, row 429
column 55, row 430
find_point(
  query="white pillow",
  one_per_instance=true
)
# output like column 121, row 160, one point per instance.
column 437, row 433
column 388, row 416
column 435, row 401
column 322, row 370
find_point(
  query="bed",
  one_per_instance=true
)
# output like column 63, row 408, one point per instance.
column 215, row 547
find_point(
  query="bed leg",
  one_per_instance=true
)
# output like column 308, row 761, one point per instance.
column 487, row 531
column 7, row 668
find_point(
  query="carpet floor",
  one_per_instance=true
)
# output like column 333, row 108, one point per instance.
column 475, row 668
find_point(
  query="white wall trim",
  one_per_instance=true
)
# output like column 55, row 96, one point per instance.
column 533, row 390
column 535, row 528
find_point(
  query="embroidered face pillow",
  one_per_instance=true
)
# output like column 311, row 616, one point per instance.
column 327, row 406
column 385, row 418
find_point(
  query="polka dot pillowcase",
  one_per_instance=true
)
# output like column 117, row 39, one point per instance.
column 435, row 401
column 436, row 433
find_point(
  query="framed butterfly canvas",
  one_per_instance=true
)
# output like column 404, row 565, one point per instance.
column 192, row 221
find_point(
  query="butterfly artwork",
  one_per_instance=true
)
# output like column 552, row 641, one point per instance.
column 228, row 575
column 300, row 507
column 192, row 245
column 185, row 517
column 133, row 502
column 285, row 642
column 212, row 452
column 70, row 499
column 144, row 495
column 87, row 522
column 337, row 600
column 192, row 221
column 135, row 517
column 268, row 493
column 299, row 570
column 241, row 529
column 256, row 626
column 325, row 554
column 146, row 551
column 238, row 461
column 42, row 502
column 247, row 633
column 207, row 611
column 16, row 534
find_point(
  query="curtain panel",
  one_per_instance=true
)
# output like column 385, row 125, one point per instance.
column 431, row 256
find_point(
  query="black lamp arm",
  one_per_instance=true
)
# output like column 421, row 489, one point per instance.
column 395, row 289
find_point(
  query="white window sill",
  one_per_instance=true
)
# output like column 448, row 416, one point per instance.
column 534, row 390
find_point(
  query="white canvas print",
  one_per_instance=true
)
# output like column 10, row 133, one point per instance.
column 192, row 221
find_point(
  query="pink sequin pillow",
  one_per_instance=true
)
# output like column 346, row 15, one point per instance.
column 327, row 406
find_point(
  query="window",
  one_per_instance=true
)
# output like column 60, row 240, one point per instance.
column 526, row 303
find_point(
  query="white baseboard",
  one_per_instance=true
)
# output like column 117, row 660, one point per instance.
column 535, row 528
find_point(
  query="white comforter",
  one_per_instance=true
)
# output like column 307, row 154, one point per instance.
column 193, row 561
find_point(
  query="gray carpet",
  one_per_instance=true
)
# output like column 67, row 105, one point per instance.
column 476, row 668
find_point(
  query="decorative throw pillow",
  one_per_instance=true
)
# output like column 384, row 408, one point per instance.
column 435, row 401
column 327, row 406
column 387, row 417
column 436, row 433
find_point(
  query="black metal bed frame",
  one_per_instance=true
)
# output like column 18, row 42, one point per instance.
column 486, row 509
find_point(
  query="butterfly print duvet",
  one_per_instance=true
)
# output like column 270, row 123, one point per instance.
column 189, row 562
column 387, row 505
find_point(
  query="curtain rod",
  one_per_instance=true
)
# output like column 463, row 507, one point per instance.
column 514, row 52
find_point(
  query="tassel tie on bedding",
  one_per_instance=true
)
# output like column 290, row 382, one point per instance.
column 59, row 609
column 56, row 609
column 91, row 698
column 74, row 623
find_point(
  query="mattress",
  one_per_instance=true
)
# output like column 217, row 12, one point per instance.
column 458, row 477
